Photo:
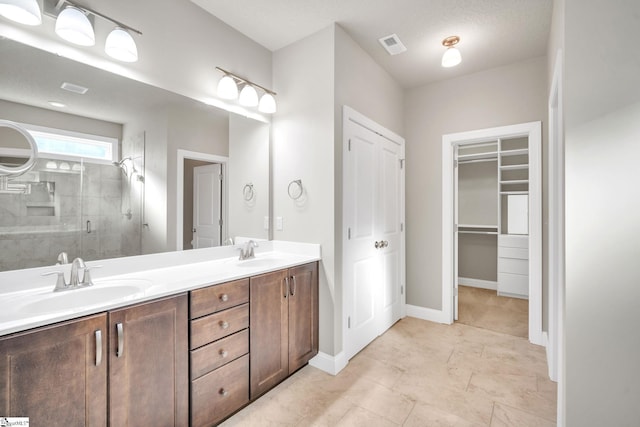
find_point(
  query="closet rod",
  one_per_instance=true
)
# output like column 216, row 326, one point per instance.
column 491, row 233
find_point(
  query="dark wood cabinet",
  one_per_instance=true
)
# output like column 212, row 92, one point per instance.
column 149, row 365
column 56, row 375
column 283, row 325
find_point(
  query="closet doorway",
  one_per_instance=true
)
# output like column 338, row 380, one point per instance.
column 492, row 223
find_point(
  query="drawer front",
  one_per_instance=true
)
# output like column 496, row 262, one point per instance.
column 513, row 241
column 215, row 326
column 218, row 353
column 513, row 284
column 512, row 265
column 518, row 253
column 218, row 297
column 220, row 393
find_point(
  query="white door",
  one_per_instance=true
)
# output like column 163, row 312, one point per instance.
column 207, row 208
column 373, row 251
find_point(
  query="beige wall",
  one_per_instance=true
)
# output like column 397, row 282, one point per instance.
column 496, row 97
column 602, row 117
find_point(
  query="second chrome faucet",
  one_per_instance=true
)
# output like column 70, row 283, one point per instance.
column 247, row 251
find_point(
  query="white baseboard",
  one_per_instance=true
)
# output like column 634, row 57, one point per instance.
column 329, row 364
column 425, row 313
column 478, row 283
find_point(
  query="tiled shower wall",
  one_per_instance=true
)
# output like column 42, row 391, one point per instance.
column 83, row 213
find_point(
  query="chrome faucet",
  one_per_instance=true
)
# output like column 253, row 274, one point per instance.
column 63, row 258
column 76, row 265
column 247, row 252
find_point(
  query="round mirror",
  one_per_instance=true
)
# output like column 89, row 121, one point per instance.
column 18, row 150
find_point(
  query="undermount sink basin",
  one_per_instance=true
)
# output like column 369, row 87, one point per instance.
column 85, row 297
column 259, row 262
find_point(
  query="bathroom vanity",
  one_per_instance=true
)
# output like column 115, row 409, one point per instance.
column 205, row 335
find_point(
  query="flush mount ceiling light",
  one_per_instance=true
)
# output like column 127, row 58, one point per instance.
column 228, row 89
column 74, row 26
column 120, row 45
column 22, row 11
column 451, row 56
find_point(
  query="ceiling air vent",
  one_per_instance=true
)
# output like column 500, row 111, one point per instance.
column 74, row 88
column 392, row 44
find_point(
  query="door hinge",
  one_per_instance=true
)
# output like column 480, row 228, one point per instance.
column 401, row 290
column 456, row 291
column 401, row 163
column 402, row 226
column 194, row 230
column 349, row 144
column 348, row 322
column 220, row 177
column 220, row 222
column 349, row 233
column 455, row 163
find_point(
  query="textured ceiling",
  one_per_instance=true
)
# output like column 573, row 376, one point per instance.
column 492, row 32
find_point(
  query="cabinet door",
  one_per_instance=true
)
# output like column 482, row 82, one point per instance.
column 148, row 364
column 303, row 315
column 56, row 375
column 268, row 331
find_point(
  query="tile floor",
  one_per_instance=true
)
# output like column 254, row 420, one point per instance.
column 483, row 308
column 419, row 374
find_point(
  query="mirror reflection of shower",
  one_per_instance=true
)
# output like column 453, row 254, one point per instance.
column 128, row 167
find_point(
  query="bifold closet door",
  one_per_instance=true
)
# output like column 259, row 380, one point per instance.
column 372, row 252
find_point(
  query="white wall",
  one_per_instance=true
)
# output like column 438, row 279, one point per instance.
column 248, row 163
column 602, row 111
column 501, row 96
column 303, row 148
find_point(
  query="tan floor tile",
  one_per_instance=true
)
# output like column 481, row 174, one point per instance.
column 505, row 416
column 428, row 415
column 483, row 308
column 359, row 417
column 375, row 370
column 380, row 400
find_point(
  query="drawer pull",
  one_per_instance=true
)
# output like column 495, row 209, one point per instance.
column 120, row 349
column 224, row 324
column 223, row 392
column 223, row 353
column 224, row 297
column 98, row 347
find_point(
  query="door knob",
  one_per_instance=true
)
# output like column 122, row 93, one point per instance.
column 385, row 243
column 377, row 244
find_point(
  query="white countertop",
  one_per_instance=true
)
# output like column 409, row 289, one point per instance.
column 27, row 299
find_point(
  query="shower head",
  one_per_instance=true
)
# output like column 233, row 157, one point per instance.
column 127, row 166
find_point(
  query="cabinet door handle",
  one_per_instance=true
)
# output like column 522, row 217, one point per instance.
column 224, row 297
column 224, row 353
column 286, row 287
column 293, row 285
column 120, row 350
column 98, row 347
column 223, row 392
column 224, row 324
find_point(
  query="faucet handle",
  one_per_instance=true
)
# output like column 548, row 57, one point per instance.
column 63, row 258
column 86, row 279
column 61, row 284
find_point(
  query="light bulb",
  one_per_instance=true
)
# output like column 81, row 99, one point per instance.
column 22, row 11
column 74, row 26
column 120, row 45
column 267, row 104
column 227, row 88
column 248, row 96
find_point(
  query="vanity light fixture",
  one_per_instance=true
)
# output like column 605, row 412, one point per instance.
column 228, row 89
column 25, row 12
column 120, row 45
column 451, row 56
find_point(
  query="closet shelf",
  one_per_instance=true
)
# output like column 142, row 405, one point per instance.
column 513, row 192
column 488, row 233
column 515, row 181
column 519, row 152
column 477, row 226
column 476, row 156
column 514, row 167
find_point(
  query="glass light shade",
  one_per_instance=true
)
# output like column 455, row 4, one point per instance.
column 248, row 96
column 451, row 57
column 74, row 26
column 120, row 45
column 267, row 104
column 22, row 11
column 227, row 88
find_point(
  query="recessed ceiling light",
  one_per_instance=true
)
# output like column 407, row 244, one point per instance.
column 57, row 104
column 74, row 88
